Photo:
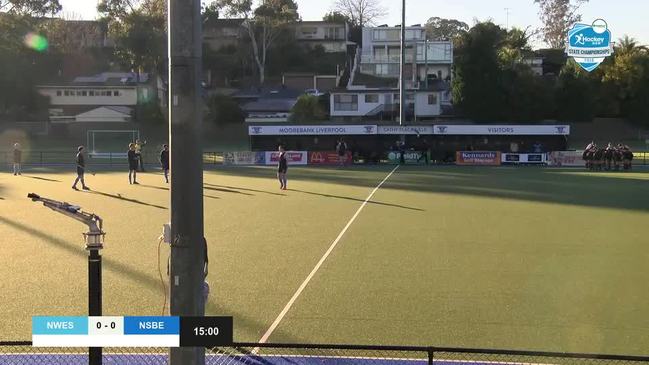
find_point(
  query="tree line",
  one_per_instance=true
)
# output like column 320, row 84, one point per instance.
column 491, row 78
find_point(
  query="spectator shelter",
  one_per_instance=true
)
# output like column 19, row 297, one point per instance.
column 443, row 140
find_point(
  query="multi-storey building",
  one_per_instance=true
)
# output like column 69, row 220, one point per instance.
column 333, row 37
column 373, row 91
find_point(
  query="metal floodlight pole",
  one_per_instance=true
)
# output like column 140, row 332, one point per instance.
column 185, row 117
column 94, row 240
column 402, row 76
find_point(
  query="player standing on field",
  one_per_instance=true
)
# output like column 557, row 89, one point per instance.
column 282, row 167
column 81, row 169
column 138, row 151
column 132, row 164
column 164, row 161
column 341, row 149
column 18, row 154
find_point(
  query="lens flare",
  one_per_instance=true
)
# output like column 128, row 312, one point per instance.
column 36, row 42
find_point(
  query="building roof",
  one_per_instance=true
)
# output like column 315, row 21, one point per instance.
column 72, row 110
column 104, row 79
column 361, row 79
column 224, row 23
column 318, row 22
column 268, row 93
column 112, row 78
column 269, row 105
column 119, row 109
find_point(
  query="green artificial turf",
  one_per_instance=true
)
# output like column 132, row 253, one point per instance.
column 515, row 258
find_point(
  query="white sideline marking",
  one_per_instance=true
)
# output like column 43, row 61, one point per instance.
column 288, row 306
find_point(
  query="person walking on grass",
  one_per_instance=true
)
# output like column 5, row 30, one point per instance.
column 282, row 167
column 138, row 151
column 164, row 161
column 81, row 169
column 18, row 154
column 132, row 164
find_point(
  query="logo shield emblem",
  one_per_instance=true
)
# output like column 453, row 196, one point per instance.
column 589, row 45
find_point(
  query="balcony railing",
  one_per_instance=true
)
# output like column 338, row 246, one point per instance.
column 369, row 58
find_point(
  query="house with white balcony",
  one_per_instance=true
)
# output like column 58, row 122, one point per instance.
column 381, row 54
column 373, row 89
column 333, row 37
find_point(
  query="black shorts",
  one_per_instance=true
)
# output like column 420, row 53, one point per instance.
column 80, row 171
column 281, row 171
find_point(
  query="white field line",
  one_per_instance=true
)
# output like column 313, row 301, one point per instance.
column 306, row 281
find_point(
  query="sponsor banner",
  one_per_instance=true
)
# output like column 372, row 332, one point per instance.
column 567, row 158
column 480, row 158
column 503, row 130
column 292, row 157
column 527, row 158
column 412, row 129
column 409, row 157
column 328, row 158
column 311, row 130
column 240, row 158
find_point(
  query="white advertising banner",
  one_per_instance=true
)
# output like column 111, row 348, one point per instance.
column 310, row 130
column 527, row 158
column 239, row 158
column 503, row 130
column 411, row 129
column 292, row 157
column 567, row 158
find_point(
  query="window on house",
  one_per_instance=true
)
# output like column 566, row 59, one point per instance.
column 91, row 93
column 84, row 93
column 382, row 69
column 309, row 30
column 333, row 33
column 346, row 102
column 58, row 92
column 115, row 93
column 379, row 35
column 371, row 98
column 66, row 93
column 432, row 99
column 79, row 93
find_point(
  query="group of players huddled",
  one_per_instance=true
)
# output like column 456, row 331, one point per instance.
column 608, row 158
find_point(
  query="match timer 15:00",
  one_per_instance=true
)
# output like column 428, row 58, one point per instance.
column 206, row 331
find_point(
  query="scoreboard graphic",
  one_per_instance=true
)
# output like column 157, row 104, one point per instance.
column 107, row 331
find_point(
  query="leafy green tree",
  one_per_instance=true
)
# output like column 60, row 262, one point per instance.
column 264, row 24
column 627, row 73
column 575, row 94
column 477, row 87
column 139, row 31
column 23, row 64
column 558, row 16
column 33, row 8
column 224, row 110
column 336, row 17
column 150, row 113
column 440, row 28
column 308, row 109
